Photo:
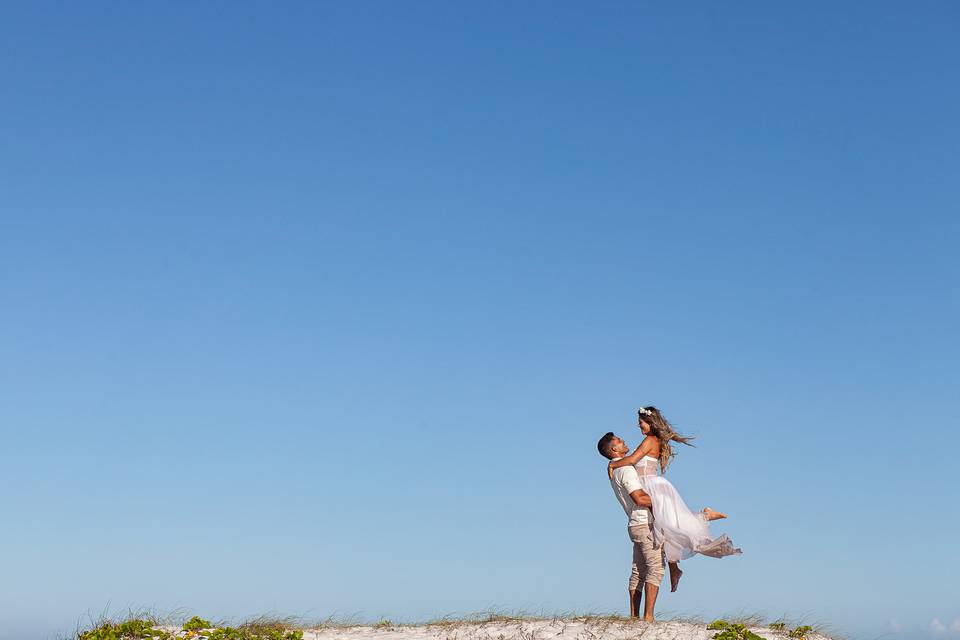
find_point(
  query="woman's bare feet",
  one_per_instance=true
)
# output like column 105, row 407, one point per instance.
column 648, row 619
column 710, row 514
column 675, row 574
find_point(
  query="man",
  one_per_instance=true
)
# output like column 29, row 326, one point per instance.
column 648, row 557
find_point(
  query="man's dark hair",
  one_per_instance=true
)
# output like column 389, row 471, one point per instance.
column 604, row 445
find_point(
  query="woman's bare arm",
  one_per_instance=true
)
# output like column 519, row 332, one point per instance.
column 647, row 446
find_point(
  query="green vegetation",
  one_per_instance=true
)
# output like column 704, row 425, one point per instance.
column 739, row 631
column 196, row 629
column 196, row 623
column 731, row 631
column 245, row 633
column 135, row 629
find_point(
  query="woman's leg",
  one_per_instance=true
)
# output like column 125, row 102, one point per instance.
column 675, row 574
column 709, row 514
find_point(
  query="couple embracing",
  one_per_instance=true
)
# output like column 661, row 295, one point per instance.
column 661, row 527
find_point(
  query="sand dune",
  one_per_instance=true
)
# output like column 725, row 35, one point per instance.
column 559, row 629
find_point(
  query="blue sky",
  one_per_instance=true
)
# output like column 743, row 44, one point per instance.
column 320, row 309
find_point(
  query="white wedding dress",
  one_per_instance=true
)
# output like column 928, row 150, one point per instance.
column 682, row 532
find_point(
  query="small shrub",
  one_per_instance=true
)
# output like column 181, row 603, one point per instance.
column 779, row 625
column 196, row 623
column 800, row 633
column 264, row 629
column 128, row 630
column 731, row 631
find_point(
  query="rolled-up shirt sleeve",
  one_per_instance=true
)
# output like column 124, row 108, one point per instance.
column 630, row 479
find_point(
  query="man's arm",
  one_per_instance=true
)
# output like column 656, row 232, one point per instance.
column 641, row 499
column 631, row 481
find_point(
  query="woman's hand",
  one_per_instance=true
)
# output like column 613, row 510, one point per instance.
column 610, row 470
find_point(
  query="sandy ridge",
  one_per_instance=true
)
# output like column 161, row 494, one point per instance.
column 595, row 629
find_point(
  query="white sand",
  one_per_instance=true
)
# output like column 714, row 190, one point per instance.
column 590, row 629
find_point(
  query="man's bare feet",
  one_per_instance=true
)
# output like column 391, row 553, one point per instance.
column 675, row 574
column 711, row 515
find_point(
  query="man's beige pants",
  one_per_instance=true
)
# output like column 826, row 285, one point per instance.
column 648, row 558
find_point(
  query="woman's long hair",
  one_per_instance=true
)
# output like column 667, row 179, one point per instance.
column 661, row 427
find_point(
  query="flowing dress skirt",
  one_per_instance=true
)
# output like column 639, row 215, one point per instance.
column 682, row 532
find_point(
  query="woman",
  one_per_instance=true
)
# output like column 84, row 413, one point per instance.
column 682, row 532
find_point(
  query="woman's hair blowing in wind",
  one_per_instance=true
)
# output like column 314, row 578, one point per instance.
column 661, row 427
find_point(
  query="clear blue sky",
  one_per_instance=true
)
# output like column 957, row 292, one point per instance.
column 320, row 308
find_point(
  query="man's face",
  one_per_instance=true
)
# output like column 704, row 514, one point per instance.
column 618, row 447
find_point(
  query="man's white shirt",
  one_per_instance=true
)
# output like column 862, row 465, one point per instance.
column 625, row 481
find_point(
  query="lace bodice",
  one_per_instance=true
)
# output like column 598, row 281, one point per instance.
column 648, row 466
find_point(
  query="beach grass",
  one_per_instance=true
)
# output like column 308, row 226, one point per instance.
column 141, row 624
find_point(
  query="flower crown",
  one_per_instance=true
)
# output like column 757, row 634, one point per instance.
column 645, row 412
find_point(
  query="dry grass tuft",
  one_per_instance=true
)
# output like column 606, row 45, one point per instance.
column 267, row 623
column 94, row 621
column 337, row 621
column 746, row 619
